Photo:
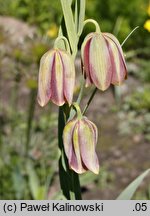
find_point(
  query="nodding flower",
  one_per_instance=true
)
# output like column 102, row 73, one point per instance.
column 103, row 60
column 80, row 139
column 56, row 78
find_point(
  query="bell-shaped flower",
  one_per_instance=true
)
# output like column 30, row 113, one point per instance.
column 80, row 139
column 103, row 60
column 56, row 78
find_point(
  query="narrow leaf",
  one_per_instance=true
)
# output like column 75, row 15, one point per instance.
column 132, row 187
column 70, row 26
column 76, row 15
column 62, row 31
column 81, row 17
column 33, row 181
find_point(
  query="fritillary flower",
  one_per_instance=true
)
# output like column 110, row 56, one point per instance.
column 103, row 60
column 80, row 139
column 56, row 78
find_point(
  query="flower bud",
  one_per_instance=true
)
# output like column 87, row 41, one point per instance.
column 56, row 78
column 80, row 139
column 103, row 60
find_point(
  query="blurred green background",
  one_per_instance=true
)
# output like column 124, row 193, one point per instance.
column 28, row 133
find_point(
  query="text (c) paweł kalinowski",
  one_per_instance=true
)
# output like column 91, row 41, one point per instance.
column 61, row 207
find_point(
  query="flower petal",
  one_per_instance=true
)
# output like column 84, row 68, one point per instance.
column 67, row 138
column 57, row 95
column 91, row 124
column 44, row 79
column 87, row 146
column 76, row 162
column 69, row 76
column 113, row 38
column 85, row 59
column 118, row 67
column 100, row 63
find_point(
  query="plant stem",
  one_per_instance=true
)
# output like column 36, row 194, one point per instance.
column 129, row 35
column 98, row 30
column 89, row 101
column 78, row 110
column 30, row 119
column 72, row 111
column 56, row 45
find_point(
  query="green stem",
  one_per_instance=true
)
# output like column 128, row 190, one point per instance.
column 78, row 110
column 30, row 118
column 129, row 35
column 81, row 91
column 89, row 101
column 98, row 30
column 72, row 111
column 1, row 125
column 56, row 45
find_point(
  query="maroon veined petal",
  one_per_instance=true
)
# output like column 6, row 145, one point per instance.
column 91, row 124
column 44, row 79
column 69, row 76
column 113, row 38
column 118, row 68
column 57, row 95
column 85, row 59
column 100, row 63
column 68, row 138
column 87, row 146
column 76, row 161
column 74, row 165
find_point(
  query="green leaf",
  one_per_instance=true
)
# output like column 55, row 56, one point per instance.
column 70, row 25
column 62, row 31
column 132, row 187
column 81, row 17
column 33, row 181
column 59, row 196
column 40, row 193
column 76, row 15
column 18, row 179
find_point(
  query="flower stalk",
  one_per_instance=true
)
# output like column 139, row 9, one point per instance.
column 97, row 27
column 56, row 44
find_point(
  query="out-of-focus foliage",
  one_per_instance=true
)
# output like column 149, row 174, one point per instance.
column 39, row 13
column 140, row 100
column 116, row 16
column 33, row 173
column 121, row 17
column 144, row 70
column 135, row 116
column 28, row 144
